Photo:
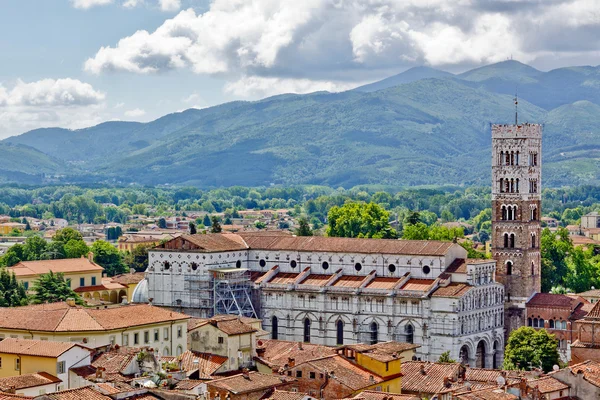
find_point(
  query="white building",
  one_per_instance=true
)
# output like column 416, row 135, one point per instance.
column 338, row 290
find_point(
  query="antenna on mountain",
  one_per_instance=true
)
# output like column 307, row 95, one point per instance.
column 516, row 106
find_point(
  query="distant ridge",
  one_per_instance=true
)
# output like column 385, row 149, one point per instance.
column 408, row 76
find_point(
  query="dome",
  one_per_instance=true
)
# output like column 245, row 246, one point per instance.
column 140, row 293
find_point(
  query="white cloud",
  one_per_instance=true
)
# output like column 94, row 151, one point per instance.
column 85, row 4
column 49, row 102
column 135, row 113
column 256, row 86
column 132, row 3
column 170, row 5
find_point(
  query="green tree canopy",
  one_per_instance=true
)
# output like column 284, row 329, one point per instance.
column 529, row 348
column 52, row 288
column 138, row 258
column 358, row 219
column 445, row 357
column 107, row 255
column 215, row 225
column 12, row 293
column 75, row 249
column 555, row 248
column 192, row 227
column 303, row 228
column 67, row 234
column 418, row 231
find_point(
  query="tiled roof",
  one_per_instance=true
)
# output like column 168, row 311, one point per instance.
column 383, row 283
column 345, row 372
column 209, row 242
column 65, row 266
column 452, row 290
column 188, row 384
column 83, row 393
column 8, row 396
column 348, row 245
column 116, row 361
column 40, row 348
column 106, row 284
column 590, row 370
column 129, row 279
column 114, row 387
column 551, row 300
column 349, row 281
column 60, row 317
column 383, row 351
column 459, row 265
column 316, row 279
column 254, row 381
column 205, row 363
column 278, row 352
column 432, row 378
column 229, row 324
column 547, row 384
column 595, row 312
column 27, row 381
column 373, row 395
column 285, row 395
column 487, row 394
column 421, row 285
column 284, row 278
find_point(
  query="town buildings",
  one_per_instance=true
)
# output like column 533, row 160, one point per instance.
column 516, row 212
column 335, row 291
column 587, row 347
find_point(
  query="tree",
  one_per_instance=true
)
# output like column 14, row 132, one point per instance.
column 206, row 221
column 555, row 248
column 227, row 221
column 52, row 288
column 418, row 231
column 529, row 348
column 162, row 223
column 445, row 357
column 303, row 228
column 413, row 218
column 108, row 257
column 34, row 248
column 138, row 258
column 215, row 225
column 192, row 228
column 66, row 234
column 75, row 249
column 447, row 216
column 12, row 292
column 582, row 273
column 259, row 224
column 359, row 219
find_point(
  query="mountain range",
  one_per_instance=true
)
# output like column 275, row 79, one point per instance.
column 421, row 127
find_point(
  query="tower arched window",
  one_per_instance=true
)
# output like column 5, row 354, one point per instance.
column 506, row 240
column 534, row 214
column 512, row 241
column 507, row 157
column 509, row 266
column 274, row 327
column 512, row 185
column 501, row 185
column 340, row 332
column 517, row 159
column 509, row 213
column 374, row 332
column 306, row 330
column 501, row 157
column 504, row 213
column 507, row 185
column 512, row 158
column 532, row 269
column 409, row 331
column 517, row 186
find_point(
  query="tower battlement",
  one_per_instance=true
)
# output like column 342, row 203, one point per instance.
column 517, row 131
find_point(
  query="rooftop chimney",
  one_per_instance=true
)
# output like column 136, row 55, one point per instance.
column 90, row 256
column 423, row 369
column 246, row 373
column 291, row 362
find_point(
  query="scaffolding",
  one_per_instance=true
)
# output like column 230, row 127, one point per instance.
column 232, row 291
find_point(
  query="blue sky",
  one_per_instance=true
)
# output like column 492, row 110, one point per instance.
column 75, row 63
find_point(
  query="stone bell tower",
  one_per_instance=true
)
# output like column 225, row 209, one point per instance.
column 516, row 212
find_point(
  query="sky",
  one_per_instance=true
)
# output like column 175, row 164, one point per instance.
column 77, row 63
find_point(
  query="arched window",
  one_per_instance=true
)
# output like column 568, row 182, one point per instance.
column 509, row 213
column 507, row 156
column 533, row 241
column 306, row 330
column 409, row 330
column 542, row 323
column 532, row 268
column 512, row 158
column 165, row 351
column 551, row 324
column 501, row 185
column 509, row 266
column 179, row 350
column 504, row 213
column 340, row 332
column 517, row 185
column 534, row 214
column 374, row 332
column 501, row 158
column 512, row 185
column 274, row 327
column 535, row 322
column 517, row 160
column 512, row 240
column 529, row 322
column 507, row 185
column 505, row 240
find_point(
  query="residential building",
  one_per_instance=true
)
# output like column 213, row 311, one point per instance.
column 384, row 359
column 32, row 384
column 590, row 220
column 587, row 347
column 201, row 366
column 247, row 386
column 81, row 272
column 592, row 295
column 335, row 291
column 558, row 314
column 230, row 336
column 129, row 281
column 6, row 228
column 548, row 387
column 582, row 378
column 516, row 212
column 22, row 356
column 377, row 395
column 83, row 393
column 139, row 325
column 129, row 241
column 274, row 356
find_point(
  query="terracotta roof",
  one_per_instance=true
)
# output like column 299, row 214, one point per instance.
column 285, row 395
column 349, row 281
column 316, row 279
column 459, row 265
column 27, row 381
column 210, row 242
column 373, row 395
column 420, row 285
column 594, row 313
column 345, row 372
column 65, row 266
column 40, row 348
column 114, row 387
column 590, row 370
column 83, row 393
column 590, row 293
column 107, row 284
column 383, row 283
column 551, row 300
column 383, row 351
column 547, row 384
column 188, row 384
column 129, row 279
column 284, row 278
column 255, row 381
column 432, row 378
column 278, row 352
column 60, row 317
column 349, row 245
column 205, row 363
column 487, row 394
column 229, row 324
column 452, row 290
column 8, row 396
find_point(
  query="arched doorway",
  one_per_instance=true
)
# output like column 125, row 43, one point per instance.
column 464, row 355
column 105, row 297
column 340, row 332
column 495, row 356
column 114, row 297
column 480, row 355
column 274, row 328
column 122, row 295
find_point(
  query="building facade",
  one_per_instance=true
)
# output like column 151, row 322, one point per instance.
column 516, row 211
column 336, row 291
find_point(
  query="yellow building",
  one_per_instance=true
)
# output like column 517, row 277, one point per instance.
column 135, row 325
column 129, row 281
column 383, row 359
column 7, row 227
column 22, row 356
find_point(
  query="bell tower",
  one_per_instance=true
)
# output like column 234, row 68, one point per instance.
column 516, row 212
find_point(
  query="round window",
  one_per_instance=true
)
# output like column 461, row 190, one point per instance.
column 392, row 268
column 293, row 263
column 167, row 265
column 262, row 263
column 426, row 269
column 194, row 266
column 238, row 264
column 358, row 266
column 325, row 265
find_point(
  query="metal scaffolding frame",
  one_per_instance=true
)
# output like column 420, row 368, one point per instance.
column 232, row 291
